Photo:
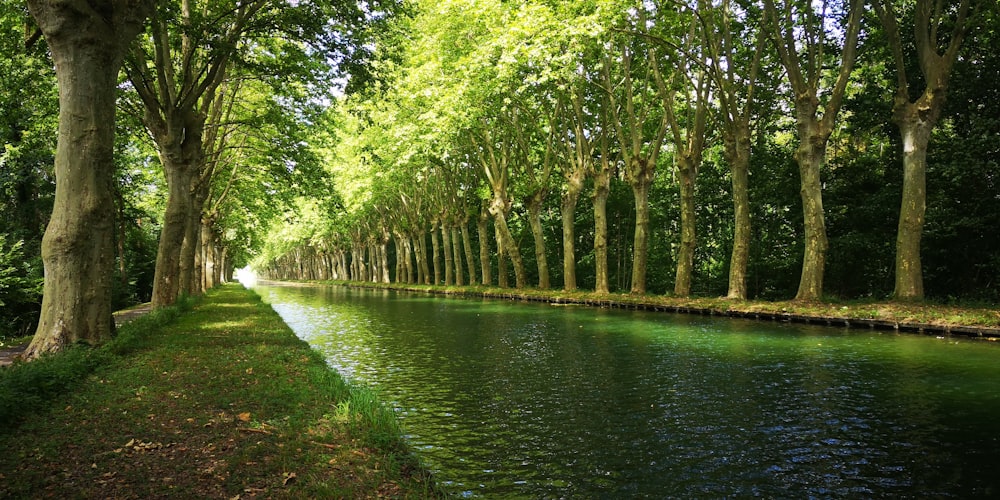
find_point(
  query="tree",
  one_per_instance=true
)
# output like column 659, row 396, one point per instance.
column 179, row 66
column 734, row 71
column 88, row 41
column 639, row 126
column 494, row 156
column 578, row 159
column 688, row 89
column 916, row 118
column 802, row 37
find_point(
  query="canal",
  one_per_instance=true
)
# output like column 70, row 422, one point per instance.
column 504, row 399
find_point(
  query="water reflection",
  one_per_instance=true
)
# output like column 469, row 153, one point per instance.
column 532, row 400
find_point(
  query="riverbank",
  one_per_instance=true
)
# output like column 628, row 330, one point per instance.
column 934, row 319
column 220, row 400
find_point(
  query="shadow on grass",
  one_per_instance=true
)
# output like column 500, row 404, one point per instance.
column 27, row 387
column 219, row 403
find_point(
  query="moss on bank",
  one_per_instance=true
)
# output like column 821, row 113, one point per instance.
column 220, row 401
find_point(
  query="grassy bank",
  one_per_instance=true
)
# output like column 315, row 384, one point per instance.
column 220, row 401
column 978, row 321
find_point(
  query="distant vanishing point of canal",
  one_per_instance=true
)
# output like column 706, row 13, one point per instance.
column 504, row 399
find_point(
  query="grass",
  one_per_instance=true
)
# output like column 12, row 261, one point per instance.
column 221, row 401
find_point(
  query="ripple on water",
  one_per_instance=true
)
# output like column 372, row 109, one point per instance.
column 506, row 400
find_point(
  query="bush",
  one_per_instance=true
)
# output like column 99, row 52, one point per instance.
column 20, row 290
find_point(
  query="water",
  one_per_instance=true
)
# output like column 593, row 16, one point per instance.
column 531, row 400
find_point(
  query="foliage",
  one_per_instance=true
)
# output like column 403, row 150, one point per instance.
column 20, row 289
column 28, row 106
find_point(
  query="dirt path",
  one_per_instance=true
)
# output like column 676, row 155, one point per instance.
column 10, row 354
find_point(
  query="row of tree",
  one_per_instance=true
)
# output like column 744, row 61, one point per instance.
column 505, row 115
column 217, row 94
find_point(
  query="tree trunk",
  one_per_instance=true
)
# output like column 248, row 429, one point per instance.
column 687, row 170
column 738, row 157
column 502, row 278
column 208, row 256
column 804, row 74
column 937, row 53
column 602, row 182
column 640, row 254
column 469, row 258
column 535, row 222
column 197, row 277
column 567, row 210
column 166, row 280
column 449, row 262
column 78, row 250
column 909, row 276
column 422, row 255
column 457, row 256
column 384, row 257
column 435, row 247
column 179, row 142
column 484, row 248
column 226, row 267
column 508, row 245
column 400, row 259
column 410, row 259
column 809, row 155
column 191, row 248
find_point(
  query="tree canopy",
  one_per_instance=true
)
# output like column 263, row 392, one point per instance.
column 745, row 148
column 499, row 114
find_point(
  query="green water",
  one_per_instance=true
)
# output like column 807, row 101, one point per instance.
column 530, row 400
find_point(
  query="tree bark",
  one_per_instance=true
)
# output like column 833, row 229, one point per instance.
column 641, row 183
column 809, row 155
column 567, row 210
column 422, row 256
column 189, row 247
column 435, row 247
column 535, row 222
column 408, row 259
column 916, row 120
column 687, row 169
column 208, row 253
column 400, row 259
column 457, row 256
column 805, row 75
column 87, row 42
column 738, row 157
column 602, row 183
column 469, row 258
column 383, row 246
column 916, row 137
column 180, row 149
column 449, row 262
column 502, row 275
column 484, row 248
column 579, row 152
column 507, row 243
